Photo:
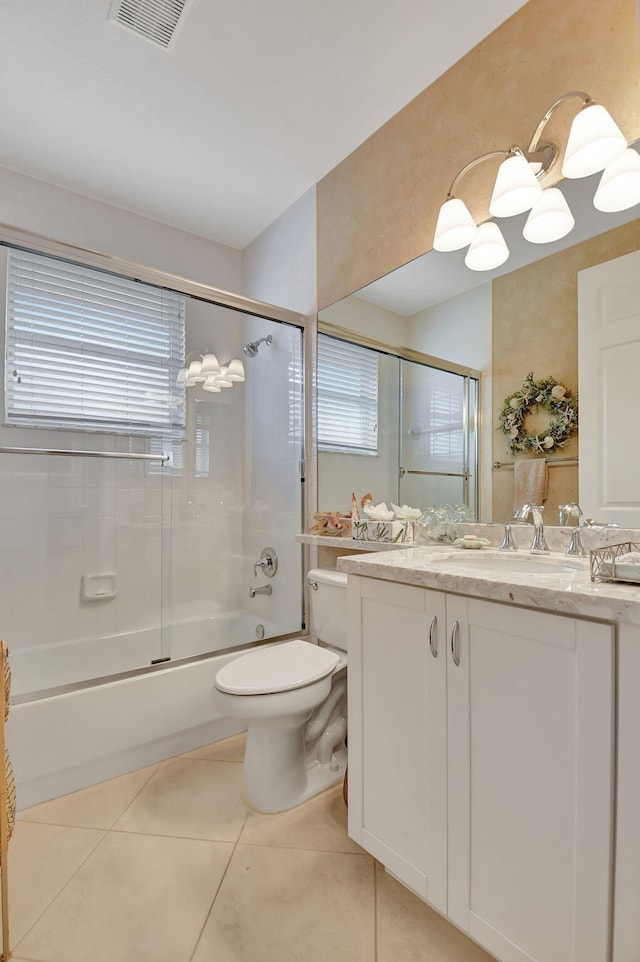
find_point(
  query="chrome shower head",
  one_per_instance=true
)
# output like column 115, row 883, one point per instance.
column 251, row 349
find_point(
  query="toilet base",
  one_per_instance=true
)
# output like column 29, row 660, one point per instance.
column 319, row 777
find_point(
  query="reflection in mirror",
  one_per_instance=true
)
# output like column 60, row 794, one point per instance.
column 505, row 323
column 397, row 428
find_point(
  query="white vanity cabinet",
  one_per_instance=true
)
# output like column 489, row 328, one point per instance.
column 397, row 732
column 483, row 777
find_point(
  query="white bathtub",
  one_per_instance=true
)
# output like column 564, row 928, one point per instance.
column 193, row 630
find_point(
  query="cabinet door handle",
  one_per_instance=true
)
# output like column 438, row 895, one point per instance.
column 433, row 637
column 455, row 641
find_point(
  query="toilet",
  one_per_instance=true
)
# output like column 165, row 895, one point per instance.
column 293, row 697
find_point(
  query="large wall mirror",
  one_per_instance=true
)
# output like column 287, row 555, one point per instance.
column 395, row 424
column 501, row 324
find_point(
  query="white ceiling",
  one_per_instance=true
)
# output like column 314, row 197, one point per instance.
column 256, row 101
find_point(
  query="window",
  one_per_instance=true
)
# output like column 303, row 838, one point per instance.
column 90, row 350
column 446, row 423
column 347, row 397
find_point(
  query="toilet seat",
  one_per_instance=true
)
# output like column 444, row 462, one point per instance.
column 285, row 667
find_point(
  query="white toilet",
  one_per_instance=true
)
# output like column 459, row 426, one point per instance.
column 293, row 697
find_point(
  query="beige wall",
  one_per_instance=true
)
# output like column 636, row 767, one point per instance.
column 377, row 209
column 535, row 328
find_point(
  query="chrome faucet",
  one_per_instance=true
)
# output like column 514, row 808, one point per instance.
column 261, row 590
column 507, row 541
column 576, row 546
column 567, row 511
column 538, row 545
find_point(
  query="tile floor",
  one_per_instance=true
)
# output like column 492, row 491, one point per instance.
column 168, row 865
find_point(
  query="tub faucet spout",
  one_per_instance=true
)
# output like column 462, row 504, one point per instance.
column 261, row 590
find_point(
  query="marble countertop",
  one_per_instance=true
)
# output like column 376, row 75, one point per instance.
column 465, row 572
column 347, row 544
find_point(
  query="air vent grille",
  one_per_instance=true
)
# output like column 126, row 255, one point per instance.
column 155, row 20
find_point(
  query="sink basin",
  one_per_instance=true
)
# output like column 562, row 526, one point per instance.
column 516, row 564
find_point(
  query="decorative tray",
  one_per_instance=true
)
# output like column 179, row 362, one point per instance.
column 616, row 562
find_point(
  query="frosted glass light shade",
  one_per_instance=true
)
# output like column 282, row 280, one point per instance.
column 194, row 372
column 210, row 384
column 235, row 370
column 594, row 140
column 550, row 218
column 455, row 227
column 516, row 188
column 488, row 249
column 210, row 364
column 222, row 380
column 619, row 187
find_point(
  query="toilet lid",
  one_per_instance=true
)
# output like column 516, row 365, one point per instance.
column 281, row 668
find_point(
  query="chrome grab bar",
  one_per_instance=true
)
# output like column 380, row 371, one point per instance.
column 87, row 454
column 550, row 462
column 436, row 474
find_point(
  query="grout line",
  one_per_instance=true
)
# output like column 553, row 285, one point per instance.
column 65, row 883
column 301, row 848
column 217, row 891
column 140, row 790
column 184, row 838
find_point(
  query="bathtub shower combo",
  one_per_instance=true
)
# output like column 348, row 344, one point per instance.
column 142, row 477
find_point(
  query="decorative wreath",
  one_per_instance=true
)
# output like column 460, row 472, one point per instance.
column 547, row 394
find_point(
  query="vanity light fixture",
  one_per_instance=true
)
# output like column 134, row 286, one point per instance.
column 595, row 142
column 488, row 249
column 619, row 186
column 206, row 370
column 550, row 218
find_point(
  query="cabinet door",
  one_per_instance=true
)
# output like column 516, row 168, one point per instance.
column 397, row 731
column 530, row 711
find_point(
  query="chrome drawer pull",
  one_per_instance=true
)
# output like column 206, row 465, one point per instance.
column 455, row 642
column 433, row 638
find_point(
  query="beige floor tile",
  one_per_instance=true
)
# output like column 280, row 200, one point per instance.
column 299, row 906
column 41, row 859
column 228, row 750
column 320, row 823
column 95, row 807
column 138, row 897
column 409, row 931
column 192, row 798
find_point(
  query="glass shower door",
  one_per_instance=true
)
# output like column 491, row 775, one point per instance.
column 438, row 437
column 236, row 488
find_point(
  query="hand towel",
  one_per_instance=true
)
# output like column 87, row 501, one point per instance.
column 530, row 481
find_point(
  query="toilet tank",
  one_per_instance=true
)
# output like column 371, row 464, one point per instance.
column 328, row 597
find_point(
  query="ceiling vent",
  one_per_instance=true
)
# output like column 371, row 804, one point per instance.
column 156, row 20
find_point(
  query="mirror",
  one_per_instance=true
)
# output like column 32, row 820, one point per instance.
column 401, row 428
column 505, row 323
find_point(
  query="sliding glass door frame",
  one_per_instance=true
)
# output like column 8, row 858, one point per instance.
column 471, row 395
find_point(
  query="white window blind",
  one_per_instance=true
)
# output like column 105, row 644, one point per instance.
column 90, row 350
column 347, row 397
column 446, row 424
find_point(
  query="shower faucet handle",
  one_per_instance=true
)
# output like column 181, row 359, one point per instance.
column 268, row 563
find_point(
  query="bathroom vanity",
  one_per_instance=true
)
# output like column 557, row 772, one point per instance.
column 493, row 724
